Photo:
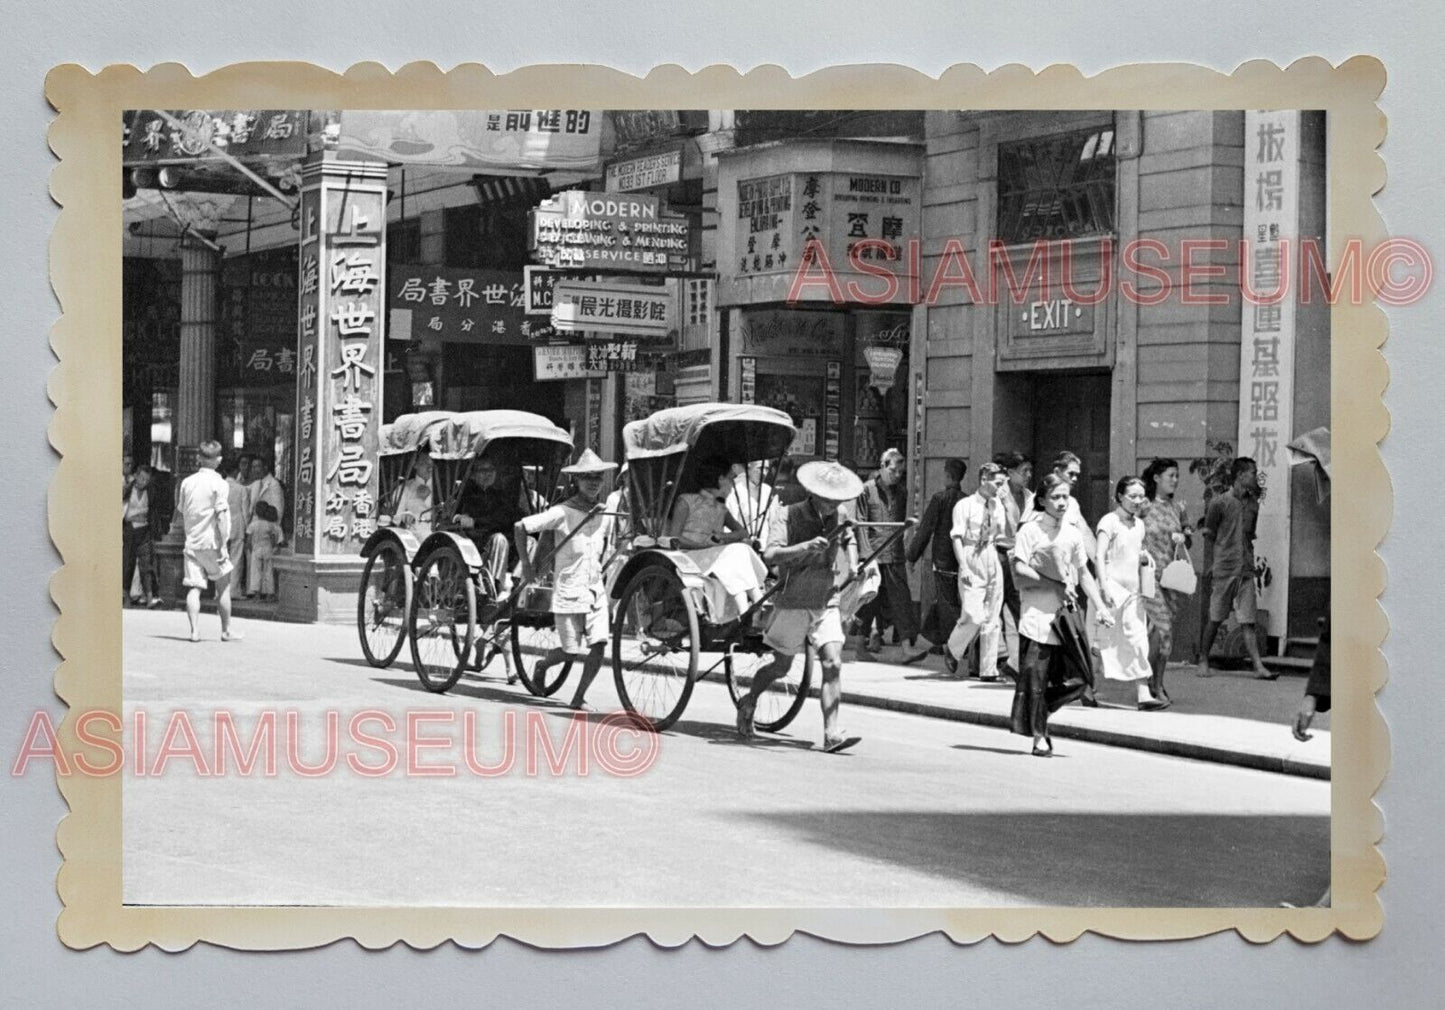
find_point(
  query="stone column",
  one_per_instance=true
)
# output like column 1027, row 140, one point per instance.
column 195, row 416
column 339, row 367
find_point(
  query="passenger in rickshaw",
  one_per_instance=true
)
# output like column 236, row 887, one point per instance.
column 490, row 505
column 717, row 542
column 579, row 596
column 416, row 499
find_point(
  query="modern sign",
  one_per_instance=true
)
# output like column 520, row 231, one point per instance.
column 609, row 231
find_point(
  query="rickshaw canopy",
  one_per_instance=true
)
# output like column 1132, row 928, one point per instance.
column 531, row 438
column 739, row 432
column 408, row 432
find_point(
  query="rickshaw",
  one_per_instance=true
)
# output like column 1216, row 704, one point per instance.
column 662, row 626
column 386, row 579
column 458, row 618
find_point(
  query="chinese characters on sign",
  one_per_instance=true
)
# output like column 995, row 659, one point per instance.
column 580, row 230
column 258, row 318
column 765, row 217
column 498, row 139
column 464, row 306
column 1266, row 388
column 341, row 285
column 563, row 361
column 631, row 309
column 240, row 133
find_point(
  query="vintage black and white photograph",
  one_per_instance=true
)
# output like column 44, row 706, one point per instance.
column 726, row 508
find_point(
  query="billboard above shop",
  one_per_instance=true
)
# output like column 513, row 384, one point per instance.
column 474, row 306
column 149, row 139
column 483, row 139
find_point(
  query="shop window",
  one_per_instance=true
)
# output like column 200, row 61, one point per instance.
column 1057, row 187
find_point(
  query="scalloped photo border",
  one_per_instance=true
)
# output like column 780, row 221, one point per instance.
column 85, row 267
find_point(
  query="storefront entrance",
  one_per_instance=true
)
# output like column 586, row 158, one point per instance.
column 1070, row 410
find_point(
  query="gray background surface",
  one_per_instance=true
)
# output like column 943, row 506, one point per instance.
column 1397, row 969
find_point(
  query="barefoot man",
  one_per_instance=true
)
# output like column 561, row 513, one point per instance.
column 813, row 564
column 206, row 513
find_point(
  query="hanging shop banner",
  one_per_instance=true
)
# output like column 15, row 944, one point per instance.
column 562, row 361
column 581, row 230
column 540, row 285
column 503, row 140
column 642, row 173
column 474, row 306
column 242, row 133
column 608, row 307
column 883, row 365
column 1266, row 367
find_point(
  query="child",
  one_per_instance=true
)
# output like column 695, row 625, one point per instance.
column 266, row 536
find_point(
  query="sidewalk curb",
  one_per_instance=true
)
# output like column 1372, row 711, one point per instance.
column 1111, row 738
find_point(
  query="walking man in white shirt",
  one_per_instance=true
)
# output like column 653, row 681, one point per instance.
column 978, row 522
column 206, row 514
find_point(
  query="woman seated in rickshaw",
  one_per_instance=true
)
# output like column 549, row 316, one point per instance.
column 492, row 501
column 717, row 542
column 415, row 500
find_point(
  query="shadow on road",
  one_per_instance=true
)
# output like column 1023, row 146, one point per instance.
column 994, row 750
column 1091, row 860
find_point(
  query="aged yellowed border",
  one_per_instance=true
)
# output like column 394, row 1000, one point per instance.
column 85, row 272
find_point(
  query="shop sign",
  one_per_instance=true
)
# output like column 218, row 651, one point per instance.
column 462, row 306
column 790, row 333
column 496, row 139
column 883, row 365
column 1266, row 367
column 609, row 307
column 580, row 230
column 871, row 217
column 765, row 231
column 633, row 128
column 242, row 133
column 645, row 172
column 562, row 361
column 258, row 318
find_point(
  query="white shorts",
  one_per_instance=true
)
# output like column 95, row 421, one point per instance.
column 202, row 565
column 577, row 633
column 789, row 629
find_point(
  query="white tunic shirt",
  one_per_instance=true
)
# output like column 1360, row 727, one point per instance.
column 578, row 586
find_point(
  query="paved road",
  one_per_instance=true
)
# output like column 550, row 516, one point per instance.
column 922, row 813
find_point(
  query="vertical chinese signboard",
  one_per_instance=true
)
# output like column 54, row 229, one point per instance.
column 1266, row 384
column 339, row 344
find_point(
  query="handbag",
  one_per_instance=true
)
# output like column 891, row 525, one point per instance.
column 1179, row 575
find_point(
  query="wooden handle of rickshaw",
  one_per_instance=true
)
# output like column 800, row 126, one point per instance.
column 898, row 530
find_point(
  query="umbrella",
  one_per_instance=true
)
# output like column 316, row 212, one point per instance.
column 1072, row 670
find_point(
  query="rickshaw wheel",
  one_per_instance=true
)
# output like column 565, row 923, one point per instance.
column 655, row 647
column 382, row 604
column 530, row 642
column 780, row 704
column 442, row 621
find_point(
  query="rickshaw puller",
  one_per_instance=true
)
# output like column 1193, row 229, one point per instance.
column 806, row 610
column 579, row 594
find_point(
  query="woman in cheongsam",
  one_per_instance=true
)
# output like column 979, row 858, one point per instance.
column 1166, row 526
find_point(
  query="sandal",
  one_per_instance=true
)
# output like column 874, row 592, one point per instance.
column 840, row 744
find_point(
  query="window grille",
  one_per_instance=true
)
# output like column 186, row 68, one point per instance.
column 1058, row 187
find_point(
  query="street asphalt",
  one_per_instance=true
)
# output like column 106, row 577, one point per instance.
column 924, row 812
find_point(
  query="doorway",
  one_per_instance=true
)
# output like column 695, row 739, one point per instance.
column 1070, row 410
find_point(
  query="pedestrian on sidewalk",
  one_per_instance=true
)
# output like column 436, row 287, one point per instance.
column 579, row 592
column 1050, row 566
column 239, row 500
column 814, row 557
column 1070, row 467
column 204, row 502
column 1018, row 508
column 268, row 502
column 885, row 500
column 752, row 501
column 140, row 526
column 977, row 522
column 1166, row 535
column 1229, row 524
column 1126, row 576
column 1317, row 688
column 936, row 529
